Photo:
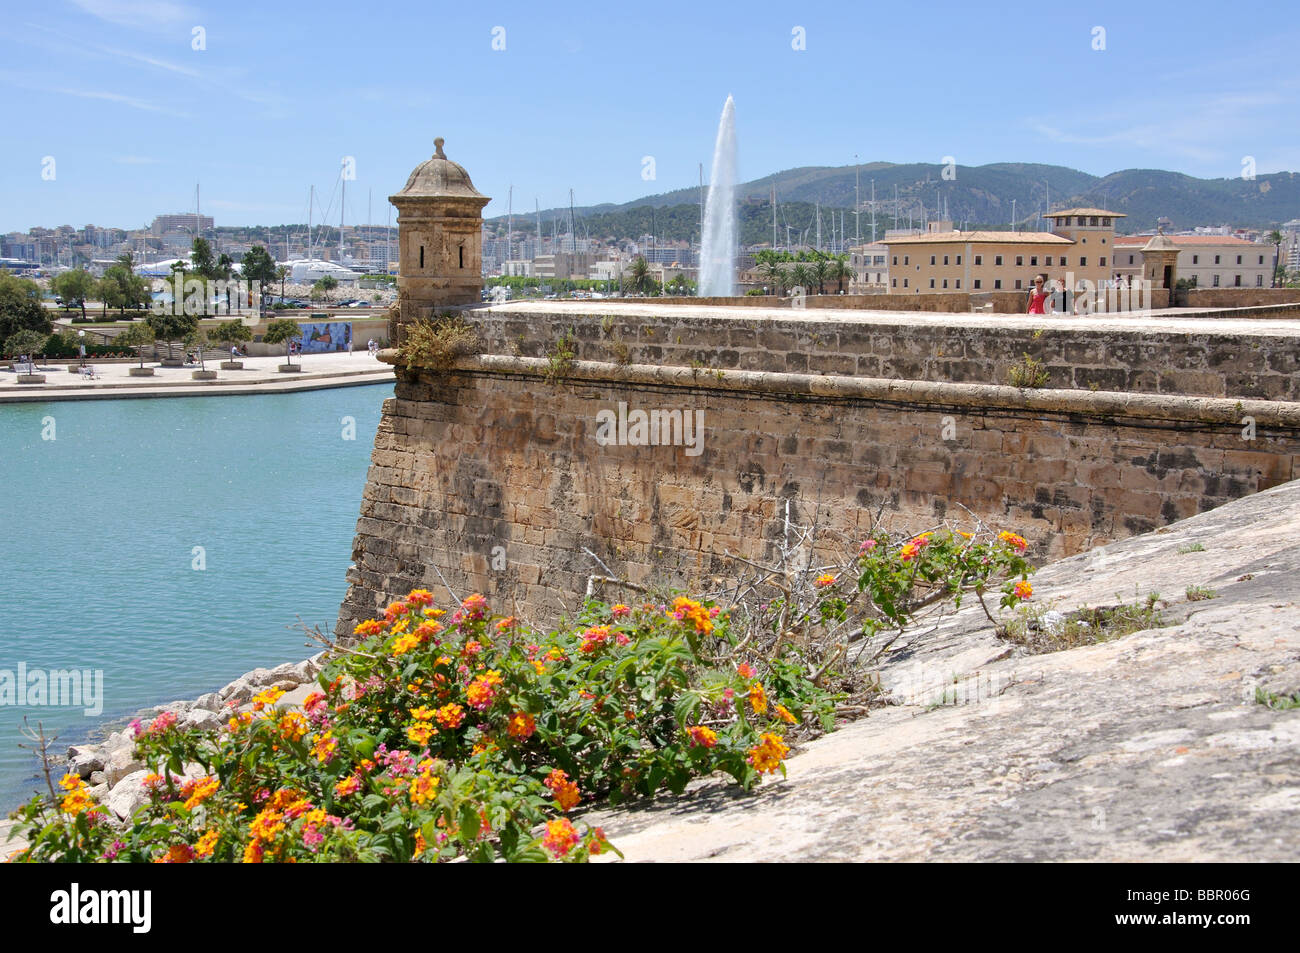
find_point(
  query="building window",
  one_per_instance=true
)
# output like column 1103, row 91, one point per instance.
column 945, row 259
column 997, row 260
column 979, row 259
column 1017, row 284
column 1083, row 261
column 997, row 283
column 1216, row 258
column 904, row 282
column 1092, row 220
column 1261, row 259
column 959, row 259
column 1196, row 259
column 1130, row 259
column 932, row 282
column 1048, row 260
column 895, row 259
column 1259, row 281
column 421, row 256
column 1020, row 261
column 1033, row 261
column 1106, row 222
column 1102, row 263
column 1062, row 261
column 977, row 284
column 462, row 256
column 1239, row 259
column 1216, row 281
column 905, row 261
column 932, row 259
column 893, row 282
column 958, row 284
column 1237, row 281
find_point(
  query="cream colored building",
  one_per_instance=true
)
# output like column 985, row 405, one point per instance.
column 870, row 264
column 1080, row 244
column 1211, row 261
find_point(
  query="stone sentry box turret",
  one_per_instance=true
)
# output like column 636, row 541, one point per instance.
column 440, row 240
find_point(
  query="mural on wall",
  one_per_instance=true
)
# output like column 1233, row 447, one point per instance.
column 325, row 337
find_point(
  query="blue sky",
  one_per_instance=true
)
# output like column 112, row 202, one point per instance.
column 133, row 115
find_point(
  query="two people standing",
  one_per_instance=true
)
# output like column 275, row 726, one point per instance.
column 1045, row 291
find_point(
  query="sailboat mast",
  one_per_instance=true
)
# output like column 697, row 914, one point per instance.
column 774, row 217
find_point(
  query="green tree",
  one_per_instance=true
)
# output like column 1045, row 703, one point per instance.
column 26, row 342
column 139, row 335
column 258, row 265
column 231, row 332
column 283, row 332
column 839, row 270
column 680, row 285
column 74, row 287
column 20, row 306
column 130, row 288
column 1275, row 239
column 801, row 277
column 639, row 275
column 110, row 292
column 201, row 259
column 820, row 270
column 172, row 327
column 281, row 275
column 770, row 268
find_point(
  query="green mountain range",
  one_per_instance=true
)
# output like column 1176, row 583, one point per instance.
column 972, row 197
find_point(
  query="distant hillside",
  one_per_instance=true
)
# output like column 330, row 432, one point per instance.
column 978, row 196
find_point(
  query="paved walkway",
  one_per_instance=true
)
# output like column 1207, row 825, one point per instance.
column 258, row 376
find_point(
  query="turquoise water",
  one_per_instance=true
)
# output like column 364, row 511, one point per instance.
column 98, row 529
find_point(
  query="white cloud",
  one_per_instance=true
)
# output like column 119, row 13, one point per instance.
column 1205, row 128
column 119, row 98
column 145, row 14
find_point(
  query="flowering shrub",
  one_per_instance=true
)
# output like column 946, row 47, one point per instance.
column 880, row 587
column 446, row 735
column 440, row 736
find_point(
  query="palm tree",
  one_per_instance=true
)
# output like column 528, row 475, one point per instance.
column 801, row 277
column 281, row 274
column 821, row 270
column 640, row 273
column 1275, row 239
column 772, row 272
column 839, row 270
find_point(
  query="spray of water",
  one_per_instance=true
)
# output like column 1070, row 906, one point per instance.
column 718, row 251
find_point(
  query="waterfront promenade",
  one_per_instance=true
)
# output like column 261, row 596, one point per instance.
column 113, row 380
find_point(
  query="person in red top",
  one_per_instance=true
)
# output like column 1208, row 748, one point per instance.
column 1038, row 297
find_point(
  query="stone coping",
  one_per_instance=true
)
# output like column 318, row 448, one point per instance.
column 1217, row 410
column 1166, row 321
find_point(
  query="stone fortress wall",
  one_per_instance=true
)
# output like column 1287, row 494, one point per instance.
column 490, row 476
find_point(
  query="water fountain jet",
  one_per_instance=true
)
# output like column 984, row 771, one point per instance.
column 718, row 246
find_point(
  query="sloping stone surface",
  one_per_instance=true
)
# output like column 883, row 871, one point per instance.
column 1149, row 747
